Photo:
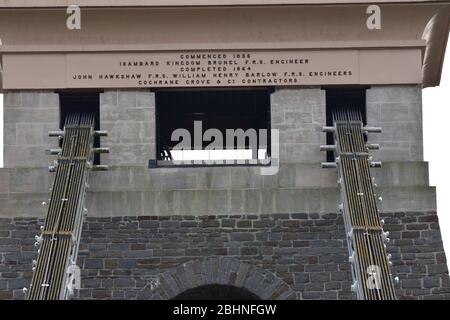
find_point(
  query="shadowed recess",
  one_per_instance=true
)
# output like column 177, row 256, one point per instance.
column 217, row 292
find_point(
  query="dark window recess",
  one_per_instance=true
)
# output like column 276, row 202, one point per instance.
column 81, row 102
column 218, row 109
column 217, row 292
column 340, row 98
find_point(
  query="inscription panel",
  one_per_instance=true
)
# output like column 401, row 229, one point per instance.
column 238, row 68
column 209, row 69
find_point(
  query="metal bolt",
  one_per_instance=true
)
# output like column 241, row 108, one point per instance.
column 351, row 259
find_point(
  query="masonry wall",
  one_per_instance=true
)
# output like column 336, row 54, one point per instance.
column 299, row 256
column 296, row 187
column 299, row 115
column 129, row 117
column 184, row 227
column 28, row 116
column 398, row 111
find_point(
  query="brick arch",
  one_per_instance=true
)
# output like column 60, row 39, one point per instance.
column 217, row 270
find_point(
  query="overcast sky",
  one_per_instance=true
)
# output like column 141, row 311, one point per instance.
column 436, row 119
column 436, row 130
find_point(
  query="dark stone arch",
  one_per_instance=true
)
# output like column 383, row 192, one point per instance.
column 217, row 271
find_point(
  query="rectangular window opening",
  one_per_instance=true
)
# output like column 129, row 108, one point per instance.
column 339, row 98
column 213, row 126
column 81, row 102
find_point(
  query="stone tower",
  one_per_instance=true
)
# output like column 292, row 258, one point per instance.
column 157, row 229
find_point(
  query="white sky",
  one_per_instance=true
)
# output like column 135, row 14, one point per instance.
column 436, row 130
column 436, row 119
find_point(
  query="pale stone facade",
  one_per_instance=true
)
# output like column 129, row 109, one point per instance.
column 28, row 116
column 289, row 219
column 131, row 188
column 398, row 111
column 129, row 118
